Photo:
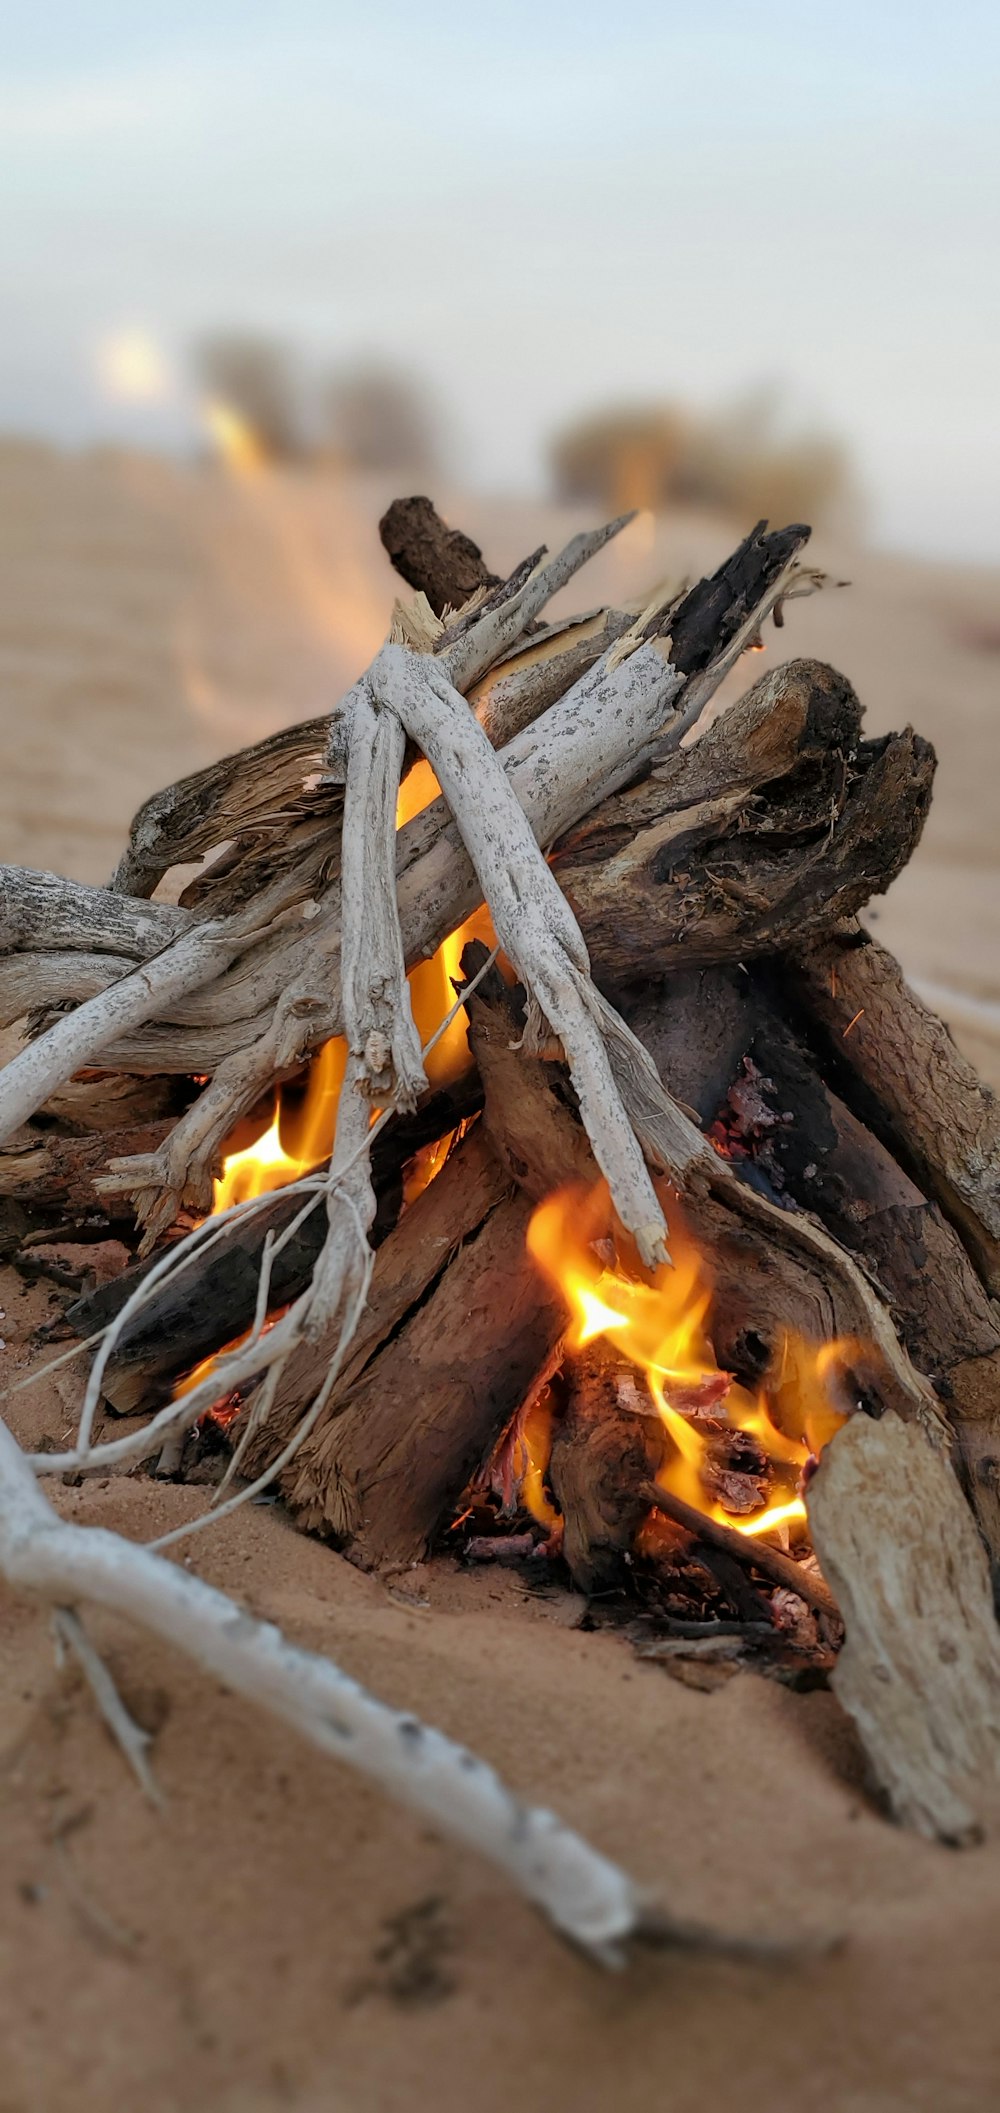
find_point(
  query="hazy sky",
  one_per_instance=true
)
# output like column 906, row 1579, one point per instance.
column 536, row 208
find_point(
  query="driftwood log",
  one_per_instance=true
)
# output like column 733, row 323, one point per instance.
column 911, row 1084
column 920, row 1670
column 457, row 1328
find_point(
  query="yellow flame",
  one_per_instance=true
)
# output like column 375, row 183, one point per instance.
column 432, row 983
column 536, row 1444
column 776, row 1515
column 232, row 436
column 595, row 1318
column 660, row 1324
column 299, row 1138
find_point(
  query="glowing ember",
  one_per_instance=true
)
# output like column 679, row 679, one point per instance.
column 659, row 1322
column 224, row 1411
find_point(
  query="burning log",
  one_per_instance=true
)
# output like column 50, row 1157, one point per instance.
column 773, row 1270
column 604, row 1454
column 823, row 1159
column 213, row 1300
column 404, row 1439
column 744, row 1549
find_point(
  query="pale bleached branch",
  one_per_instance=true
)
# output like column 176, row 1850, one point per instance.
column 588, row 1898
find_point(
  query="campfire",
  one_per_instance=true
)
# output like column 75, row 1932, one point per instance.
column 739, row 1457
column 611, row 1207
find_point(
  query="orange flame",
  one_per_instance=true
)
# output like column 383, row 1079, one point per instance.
column 659, row 1322
column 300, row 1138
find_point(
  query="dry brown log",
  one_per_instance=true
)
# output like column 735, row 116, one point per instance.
column 440, row 562
column 253, row 797
column 112, row 1100
column 54, row 1172
column 410, row 1261
column 769, row 827
column 911, row 1083
column 397, row 1447
column 920, row 1668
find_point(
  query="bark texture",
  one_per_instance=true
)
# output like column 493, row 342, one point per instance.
column 920, row 1669
column 912, row 1083
column 406, row 1438
column 440, row 562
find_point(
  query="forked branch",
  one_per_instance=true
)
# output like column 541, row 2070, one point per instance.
column 588, row 1898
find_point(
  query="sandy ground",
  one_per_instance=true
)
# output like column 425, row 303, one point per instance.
column 280, row 1937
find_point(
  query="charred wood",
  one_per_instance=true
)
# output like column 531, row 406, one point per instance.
column 212, row 1302
column 821, row 1157
column 603, row 1456
column 440, row 562
column 750, row 1550
column 754, row 839
column 771, row 1272
column 910, row 1083
column 413, row 1429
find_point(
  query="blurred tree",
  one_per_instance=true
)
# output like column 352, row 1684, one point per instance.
column 256, row 380
column 738, row 462
column 377, row 418
column 619, row 459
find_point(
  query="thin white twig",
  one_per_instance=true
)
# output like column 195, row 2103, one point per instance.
column 129, row 1735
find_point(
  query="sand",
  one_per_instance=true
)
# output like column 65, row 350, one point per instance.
column 280, row 1936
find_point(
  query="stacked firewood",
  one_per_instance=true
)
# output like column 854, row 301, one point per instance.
column 697, row 1018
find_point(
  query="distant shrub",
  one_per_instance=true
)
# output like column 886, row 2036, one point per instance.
column 258, row 379
column 376, row 418
column 735, row 463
